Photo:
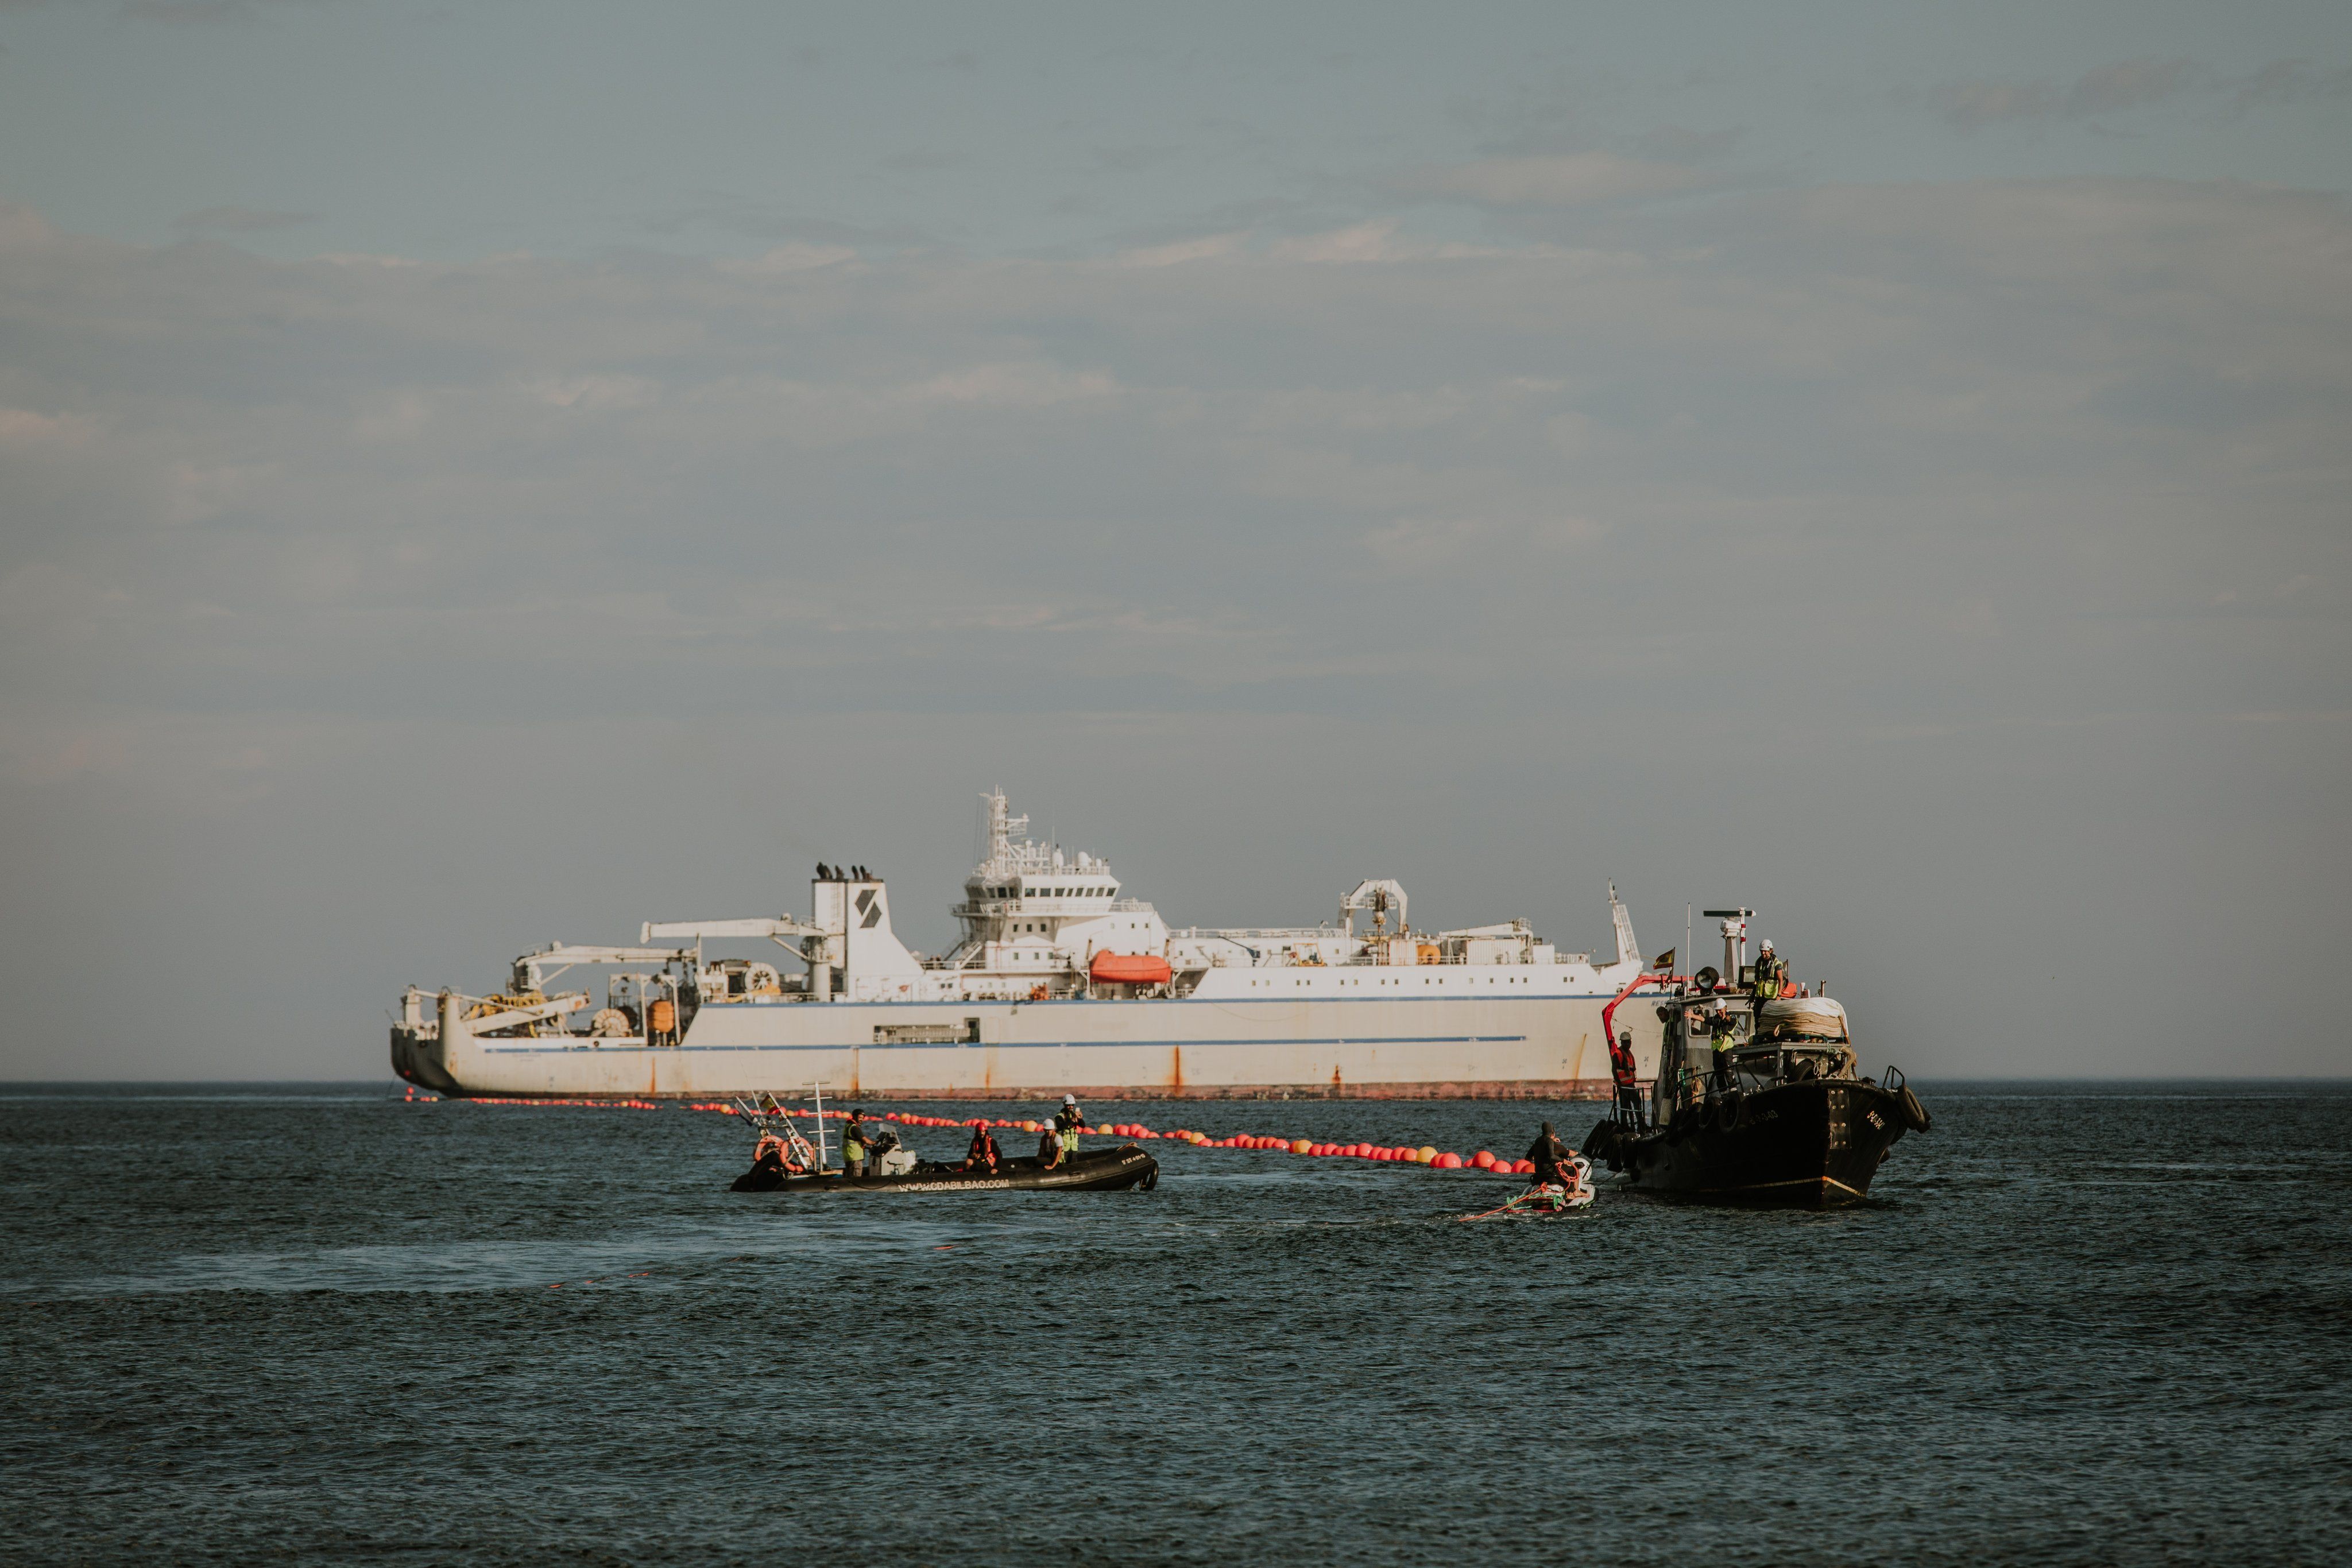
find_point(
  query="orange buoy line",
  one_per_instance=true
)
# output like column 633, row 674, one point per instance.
column 1425, row 1155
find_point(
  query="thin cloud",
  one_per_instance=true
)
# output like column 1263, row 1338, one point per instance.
column 2123, row 85
column 1553, row 180
column 2291, row 81
column 239, row 221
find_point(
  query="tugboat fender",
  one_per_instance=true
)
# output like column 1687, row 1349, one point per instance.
column 1907, row 1106
column 1601, row 1144
column 1726, row 1112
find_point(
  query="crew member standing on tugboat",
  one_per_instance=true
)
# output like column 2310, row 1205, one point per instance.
column 1629, row 1085
column 1771, row 972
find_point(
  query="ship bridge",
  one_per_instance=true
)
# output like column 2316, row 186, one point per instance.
column 1031, row 909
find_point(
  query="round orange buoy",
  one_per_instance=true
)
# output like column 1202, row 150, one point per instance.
column 1447, row 1162
column 1301, row 1146
column 1484, row 1159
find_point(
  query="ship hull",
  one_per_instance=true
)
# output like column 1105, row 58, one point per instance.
column 1532, row 1047
column 1798, row 1145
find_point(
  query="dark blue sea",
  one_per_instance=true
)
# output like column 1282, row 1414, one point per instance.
column 2075, row 1323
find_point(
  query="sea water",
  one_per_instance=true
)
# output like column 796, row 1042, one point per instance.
column 2075, row 1322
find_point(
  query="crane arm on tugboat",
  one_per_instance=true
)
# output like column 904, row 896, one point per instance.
column 1609, row 1011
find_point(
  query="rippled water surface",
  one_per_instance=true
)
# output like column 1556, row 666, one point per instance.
column 2075, row 1323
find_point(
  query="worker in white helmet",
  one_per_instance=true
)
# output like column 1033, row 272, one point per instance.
column 1771, row 972
column 1068, row 1123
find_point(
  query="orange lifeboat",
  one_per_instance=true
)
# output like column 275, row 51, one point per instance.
column 1129, row 969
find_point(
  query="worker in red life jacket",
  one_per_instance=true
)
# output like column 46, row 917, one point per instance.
column 1629, row 1087
column 983, row 1154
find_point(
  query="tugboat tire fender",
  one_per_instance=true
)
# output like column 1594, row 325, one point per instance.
column 1726, row 1112
column 1915, row 1115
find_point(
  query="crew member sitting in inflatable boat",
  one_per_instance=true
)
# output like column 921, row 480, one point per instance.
column 772, row 1162
column 983, row 1154
column 1554, row 1160
column 1049, row 1146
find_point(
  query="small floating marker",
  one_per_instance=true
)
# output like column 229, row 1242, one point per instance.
column 1449, row 1161
column 1484, row 1159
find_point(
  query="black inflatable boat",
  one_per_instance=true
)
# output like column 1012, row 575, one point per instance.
column 1104, row 1170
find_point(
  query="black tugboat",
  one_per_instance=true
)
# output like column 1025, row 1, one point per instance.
column 1756, row 1099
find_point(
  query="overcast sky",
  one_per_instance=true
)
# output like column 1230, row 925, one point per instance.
column 472, row 475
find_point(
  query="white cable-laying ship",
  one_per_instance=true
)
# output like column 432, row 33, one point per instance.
column 1059, row 984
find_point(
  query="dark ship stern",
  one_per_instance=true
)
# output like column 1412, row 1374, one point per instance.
column 1805, row 1145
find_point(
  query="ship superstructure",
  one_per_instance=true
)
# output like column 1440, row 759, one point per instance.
column 1055, row 982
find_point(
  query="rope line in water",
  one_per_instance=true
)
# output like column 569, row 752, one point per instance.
column 1425, row 1155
